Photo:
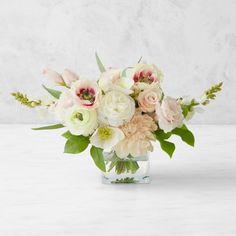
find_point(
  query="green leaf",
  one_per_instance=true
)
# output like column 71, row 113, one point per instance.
column 55, row 93
column 57, row 126
column 185, row 134
column 99, row 63
column 160, row 134
column 76, row 144
column 140, row 59
column 167, row 147
column 97, row 155
column 67, row 135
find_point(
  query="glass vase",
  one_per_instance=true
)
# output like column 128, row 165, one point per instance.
column 129, row 170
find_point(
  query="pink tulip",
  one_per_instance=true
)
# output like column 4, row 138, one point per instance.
column 54, row 76
column 69, row 76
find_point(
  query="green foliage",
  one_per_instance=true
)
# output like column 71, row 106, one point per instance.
column 24, row 100
column 128, row 165
column 57, row 126
column 160, row 134
column 188, row 108
column 211, row 93
column 67, row 134
column 139, row 60
column 97, row 155
column 99, row 63
column 55, row 93
column 76, row 144
column 166, row 146
column 185, row 134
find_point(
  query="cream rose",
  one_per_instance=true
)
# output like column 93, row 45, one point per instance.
column 149, row 98
column 80, row 121
column 116, row 108
column 169, row 114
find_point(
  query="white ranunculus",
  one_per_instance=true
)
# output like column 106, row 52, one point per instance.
column 112, row 80
column 106, row 137
column 169, row 114
column 116, row 108
column 80, row 121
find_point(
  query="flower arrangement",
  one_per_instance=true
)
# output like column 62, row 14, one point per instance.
column 119, row 116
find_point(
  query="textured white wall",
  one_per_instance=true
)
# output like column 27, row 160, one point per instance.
column 192, row 41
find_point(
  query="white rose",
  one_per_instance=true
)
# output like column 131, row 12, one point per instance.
column 116, row 108
column 169, row 114
column 80, row 121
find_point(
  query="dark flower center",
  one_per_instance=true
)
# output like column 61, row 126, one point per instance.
column 143, row 76
column 87, row 94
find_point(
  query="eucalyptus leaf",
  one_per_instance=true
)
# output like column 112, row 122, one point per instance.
column 57, row 126
column 55, row 93
column 76, row 144
column 97, row 155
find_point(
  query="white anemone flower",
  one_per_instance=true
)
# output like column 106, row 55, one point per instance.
column 106, row 137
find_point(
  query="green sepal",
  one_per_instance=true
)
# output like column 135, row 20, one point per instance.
column 57, row 126
column 97, row 155
column 55, row 93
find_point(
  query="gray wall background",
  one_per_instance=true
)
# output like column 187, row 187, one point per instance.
column 192, row 41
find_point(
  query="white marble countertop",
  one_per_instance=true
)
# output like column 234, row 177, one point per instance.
column 44, row 192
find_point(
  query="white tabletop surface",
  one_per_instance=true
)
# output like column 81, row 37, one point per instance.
column 44, row 192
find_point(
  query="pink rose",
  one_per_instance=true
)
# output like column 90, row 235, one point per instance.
column 169, row 114
column 149, row 98
column 86, row 93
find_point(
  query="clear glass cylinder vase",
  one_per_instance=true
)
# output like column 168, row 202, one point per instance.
column 125, row 170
